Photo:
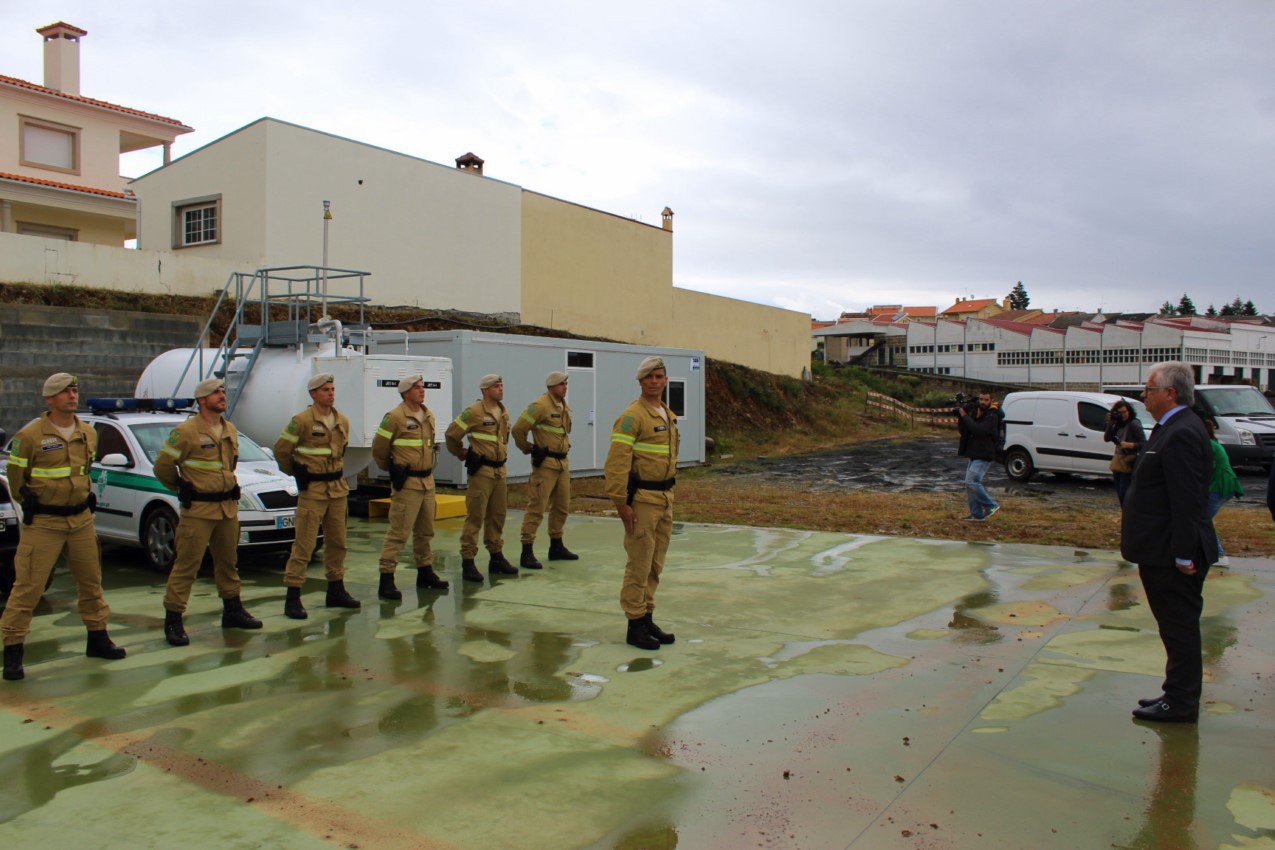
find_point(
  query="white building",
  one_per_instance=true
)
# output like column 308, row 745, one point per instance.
column 1094, row 353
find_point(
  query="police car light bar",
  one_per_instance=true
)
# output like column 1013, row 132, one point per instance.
column 149, row 405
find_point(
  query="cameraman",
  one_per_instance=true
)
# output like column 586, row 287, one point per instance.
column 980, row 428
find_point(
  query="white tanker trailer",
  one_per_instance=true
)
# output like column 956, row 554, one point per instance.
column 275, row 389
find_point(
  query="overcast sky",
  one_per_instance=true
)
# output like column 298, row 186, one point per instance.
column 819, row 156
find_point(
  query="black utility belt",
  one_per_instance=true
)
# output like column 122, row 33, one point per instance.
column 419, row 473
column 61, row 510
column 227, row 496
column 639, row 484
column 482, row 461
column 325, row 476
column 554, row 455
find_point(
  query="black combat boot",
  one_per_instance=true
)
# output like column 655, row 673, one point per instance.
column 100, row 646
column 292, row 606
column 528, row 560
column 638, row 635
column 655, row 631
column 427, row 578
column 388, row 590
column 13, row 663
column 174, row 631
column 235, row 616
column 470, row 572
column 339, row 597
column 497, row 565
column 559, row 552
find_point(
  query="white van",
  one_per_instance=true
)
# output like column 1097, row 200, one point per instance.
column 1060, row 431
column 1244, row 420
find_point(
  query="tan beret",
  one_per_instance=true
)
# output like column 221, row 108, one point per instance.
column 489, row 381
column 56, row 383
column 409, row 382
column 648, row 366
column 208, row 387
column 555, row 378
column 319, row 380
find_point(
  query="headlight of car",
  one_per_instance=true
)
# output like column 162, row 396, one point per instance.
column 246, row 503
column 1246, row 437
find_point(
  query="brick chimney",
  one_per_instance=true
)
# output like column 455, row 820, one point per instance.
column 62, row 56
column 470, row 162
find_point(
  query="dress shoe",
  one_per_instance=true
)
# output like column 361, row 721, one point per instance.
column 1164, row 712
column 1147, row 703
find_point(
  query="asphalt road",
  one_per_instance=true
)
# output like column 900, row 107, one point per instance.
column 930, row 464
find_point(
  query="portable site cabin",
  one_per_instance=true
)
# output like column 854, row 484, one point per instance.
column 601, row 384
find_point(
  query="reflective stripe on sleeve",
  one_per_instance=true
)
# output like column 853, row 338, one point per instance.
column 622, row 438
column 51, row 472
column 289, row 437
column 20, row 462
column 304, row 450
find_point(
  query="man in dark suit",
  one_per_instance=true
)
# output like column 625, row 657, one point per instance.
column 1166, row 531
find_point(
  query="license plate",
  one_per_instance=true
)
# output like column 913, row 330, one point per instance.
column 286, row 521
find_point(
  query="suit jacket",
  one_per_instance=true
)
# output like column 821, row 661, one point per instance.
column 1166, row 511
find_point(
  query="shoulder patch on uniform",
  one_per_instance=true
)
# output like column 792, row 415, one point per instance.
column 464, row 415
column 385, row 420
column 626, row 424
column 531, row 408
column 17, row 446
column 173, row 437
column 293, row 426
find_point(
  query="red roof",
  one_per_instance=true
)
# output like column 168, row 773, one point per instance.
column 23, row 84
column 1024, row 328
column 971, row 306
column 70, row 187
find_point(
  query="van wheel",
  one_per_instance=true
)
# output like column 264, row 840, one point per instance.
column 1018, row 465
column 159, row 539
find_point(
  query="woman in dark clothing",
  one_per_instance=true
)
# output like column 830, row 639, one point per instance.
column 1124, row 429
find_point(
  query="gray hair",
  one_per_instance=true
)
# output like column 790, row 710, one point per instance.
column 1176, row 374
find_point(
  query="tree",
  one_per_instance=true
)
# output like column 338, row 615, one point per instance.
column 1250, row 309
column 1186, row 307
column 1167, row 309
column 1211, row 312
column 1018, row 297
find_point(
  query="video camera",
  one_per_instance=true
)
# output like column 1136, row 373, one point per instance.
column 967, row 403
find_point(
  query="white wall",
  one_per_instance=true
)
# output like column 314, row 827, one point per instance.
column 429, row 234
column 31, row 259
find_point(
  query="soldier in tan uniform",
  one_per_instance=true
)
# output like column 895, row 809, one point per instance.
column 548, row 421
column 198, row 463
column 486, row 424
column 49, row 473
column 312, row 449
column 641, row 469
column 404, row 447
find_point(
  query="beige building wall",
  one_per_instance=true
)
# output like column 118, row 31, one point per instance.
column 594, row 273
column 430, row 235
column 99, row 139
column 767, row 338
column 30, row 259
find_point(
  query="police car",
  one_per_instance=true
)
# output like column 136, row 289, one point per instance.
column 9, row 519
column 135, row 509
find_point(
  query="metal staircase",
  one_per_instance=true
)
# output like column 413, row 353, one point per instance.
column 293, row 291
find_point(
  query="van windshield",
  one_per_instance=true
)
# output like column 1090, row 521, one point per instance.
column 1236, row 401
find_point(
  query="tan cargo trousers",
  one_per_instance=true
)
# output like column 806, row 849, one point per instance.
column 38, row 550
